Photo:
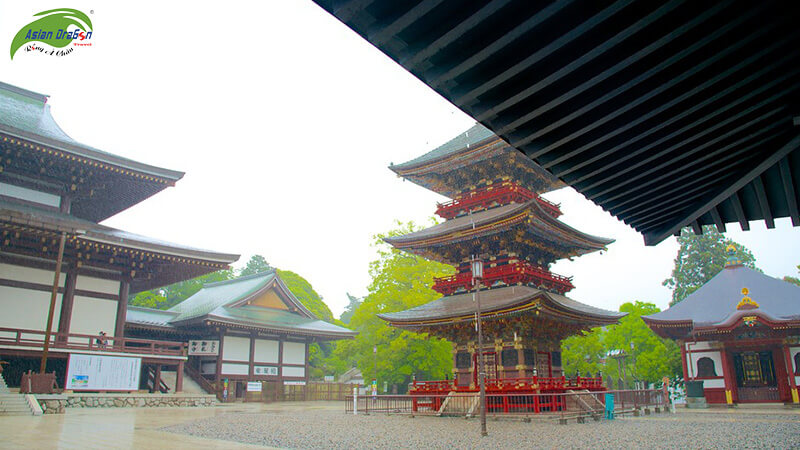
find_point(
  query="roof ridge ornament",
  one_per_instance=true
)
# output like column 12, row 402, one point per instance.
column 733, row 257
column 746, row 302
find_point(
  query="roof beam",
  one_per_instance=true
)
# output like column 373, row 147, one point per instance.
column 620, row 66
column 350, row 9
column 675, row 176
column 698, row 230
column 436, row 80
column 454, row 34
column 412, row 15
column 788, row 190
column 715, row 215
column 793, row 144
column 552, row 47
column 680, row 155
column 763, row 202
column 739, row 210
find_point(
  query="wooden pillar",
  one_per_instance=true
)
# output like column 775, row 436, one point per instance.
column 67, row 302
column 279, row 387
column 157, row 381
column 218, row 373
column 251, row 367
column 683, row 360
column 787, row 356
column 122, row 310
column 727, row 374
column 179, row 377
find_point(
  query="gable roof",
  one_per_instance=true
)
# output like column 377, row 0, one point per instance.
column 470, row 138
column 715, row 303
column 224, row 302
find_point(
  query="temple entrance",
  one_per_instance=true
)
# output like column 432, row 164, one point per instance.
column 489, row 365
column 755, row 377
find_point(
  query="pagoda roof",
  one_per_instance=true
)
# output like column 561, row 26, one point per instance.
column 499, row 219
column 462, row 154
column 499, row 301
column 25, row 120
column 719, row 303
column 228, row 302
column 88, row 232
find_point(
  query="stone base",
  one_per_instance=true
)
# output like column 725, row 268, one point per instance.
column 696, row 403
column 56, row 404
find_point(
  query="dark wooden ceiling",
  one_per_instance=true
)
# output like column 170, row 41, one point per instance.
column 664, row 113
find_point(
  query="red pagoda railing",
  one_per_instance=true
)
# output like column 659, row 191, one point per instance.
column 505, row 385
column 511, row 273
column 488, row 196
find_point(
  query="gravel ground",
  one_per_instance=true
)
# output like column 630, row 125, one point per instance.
column 328, row 429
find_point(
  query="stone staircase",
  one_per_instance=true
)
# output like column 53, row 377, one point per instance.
column 12, row 404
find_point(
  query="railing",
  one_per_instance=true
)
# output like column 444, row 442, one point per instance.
column 198, row 378
column 502, row 385
column 74, row 341
column 558, row 404
column 489, row 196
column 511, row 273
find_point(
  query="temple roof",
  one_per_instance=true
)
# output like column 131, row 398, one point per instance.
column 90, row 233
column 25, row 115
column 498, row 220
column 228, row 302
column 719, row 302
column 472, row 155
column 460, row 307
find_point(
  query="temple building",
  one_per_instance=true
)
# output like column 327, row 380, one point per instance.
column 740, row 334
column 497, row 216
column 242, row 332
column 54, row 191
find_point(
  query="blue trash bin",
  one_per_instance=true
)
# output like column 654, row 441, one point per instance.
column 610, row 406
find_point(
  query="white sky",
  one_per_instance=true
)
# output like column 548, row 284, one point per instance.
column 285, row 121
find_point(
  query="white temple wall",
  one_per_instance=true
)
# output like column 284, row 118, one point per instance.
column 26, row 309
column 235, row 369
column 235, row 348
column 91, row 316
column 714, row 355
column 266, row 351
column 293, row 371
column 294, row 353
column 29, row 275
column 30, row 195
column 85, row 283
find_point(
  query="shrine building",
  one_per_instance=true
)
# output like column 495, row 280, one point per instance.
column 497, row 216
column 54, row 191
column 240, row 332
column 740, row 334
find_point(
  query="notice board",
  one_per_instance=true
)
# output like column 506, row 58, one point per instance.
column 102, row 373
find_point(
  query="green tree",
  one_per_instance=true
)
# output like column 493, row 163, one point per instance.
column 256, row 264
column 793, row 280
column 350, row 309
column 304, row 292
column 399, row 281
column 700, row 257
column 178, row 292
column 649, row 357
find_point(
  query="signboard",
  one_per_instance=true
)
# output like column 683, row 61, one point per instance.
column 204, row 348
column 265, row 370
column 253, row 386
column 294, row 383
column 102, row 373
column 374, row 387
column 329, row 378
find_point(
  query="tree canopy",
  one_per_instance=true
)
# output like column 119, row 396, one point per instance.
column 649, row 357
column 793, row 280
column 256, row 264
column 399, row 281
column 350, row 309
column 303, row 291
column 699, row 258
column 169, row 296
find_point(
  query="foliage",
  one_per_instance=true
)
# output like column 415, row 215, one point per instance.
column 399, row 281
column 256, row 264
column 350, row 309
column 649, row 357
column 700, row 257
column 793, row 280
column 177, row 292
column 306, row 294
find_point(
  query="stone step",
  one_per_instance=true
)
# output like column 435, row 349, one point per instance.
column 14, row 404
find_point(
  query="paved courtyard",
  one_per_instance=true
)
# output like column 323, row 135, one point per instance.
column 324, row 425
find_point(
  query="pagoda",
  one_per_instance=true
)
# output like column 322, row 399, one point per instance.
column 497, row 215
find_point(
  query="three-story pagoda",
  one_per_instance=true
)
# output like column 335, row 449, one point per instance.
column 496, row 215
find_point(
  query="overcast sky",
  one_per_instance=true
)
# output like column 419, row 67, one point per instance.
column 285, row 121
